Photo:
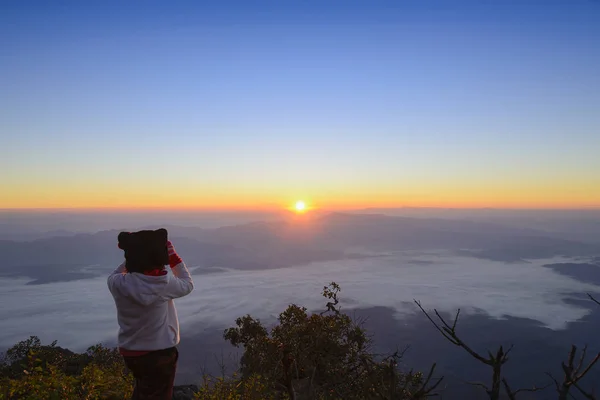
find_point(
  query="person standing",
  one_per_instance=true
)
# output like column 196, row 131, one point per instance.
column 149, row 327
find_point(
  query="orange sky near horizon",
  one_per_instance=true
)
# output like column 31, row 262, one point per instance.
column 563, row 195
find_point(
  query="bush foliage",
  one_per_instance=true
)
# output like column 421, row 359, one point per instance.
column 30, row 370
column 321, row 355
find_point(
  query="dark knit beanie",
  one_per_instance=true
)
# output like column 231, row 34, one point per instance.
column 144, row 250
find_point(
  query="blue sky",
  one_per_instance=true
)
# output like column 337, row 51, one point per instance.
column 430, row 102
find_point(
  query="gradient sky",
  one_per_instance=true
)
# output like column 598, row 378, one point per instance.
column 259, row 103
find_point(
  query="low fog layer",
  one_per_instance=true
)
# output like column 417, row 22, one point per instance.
column 82, row 313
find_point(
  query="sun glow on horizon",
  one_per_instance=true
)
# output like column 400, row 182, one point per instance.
column 300, row 206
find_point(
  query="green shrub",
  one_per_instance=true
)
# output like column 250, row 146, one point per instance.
column 323, row 355
column 31, row 370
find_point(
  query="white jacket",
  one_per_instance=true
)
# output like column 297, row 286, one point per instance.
column 145, row 309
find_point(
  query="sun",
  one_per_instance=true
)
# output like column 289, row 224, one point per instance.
column 300, row 206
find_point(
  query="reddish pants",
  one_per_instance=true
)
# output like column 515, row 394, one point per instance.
column 154, row 374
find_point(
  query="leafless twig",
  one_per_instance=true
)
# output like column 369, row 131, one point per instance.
column 593, row 299
column 496, row 361
column 512, row 395
column 573, row 374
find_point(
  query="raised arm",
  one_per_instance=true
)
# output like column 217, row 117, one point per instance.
column 116, row 274
column 181, row 283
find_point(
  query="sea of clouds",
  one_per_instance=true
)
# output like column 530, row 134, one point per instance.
column 82, row 313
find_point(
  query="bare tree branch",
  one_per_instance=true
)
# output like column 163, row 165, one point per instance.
column 593, row 299
column 589, row 367
column 571, row 357
column 450, row 333
column 508, row 351
column 580, row 364
column 584, row 393
column 495, row 361
column 512, row 395
column 456, row 320
column 554, row 380
column 436, row 325
column 481, row 385
column 534, row 389
column 572, row 374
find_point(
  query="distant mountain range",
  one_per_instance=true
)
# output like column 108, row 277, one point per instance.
column 291, row 241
